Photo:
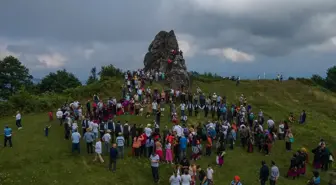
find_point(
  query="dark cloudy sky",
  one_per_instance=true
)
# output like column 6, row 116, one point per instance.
column 229, row 37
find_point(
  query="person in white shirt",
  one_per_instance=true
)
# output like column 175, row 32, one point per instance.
column 154, row 107
column 18, row 120
column 186, row 178
column 107, row 140
column 270, row 124
column 94, row 127
column 148, row 130
column 74, row 127
column 179, row 130
column 59, row 116
column 281, row 132
column 98, row 150
column 175, row 179
column 182, row 107
column 80, row 114
column 210, row 172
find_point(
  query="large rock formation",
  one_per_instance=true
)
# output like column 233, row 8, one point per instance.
column 160, row 51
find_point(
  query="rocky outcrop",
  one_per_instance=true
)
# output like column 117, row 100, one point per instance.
column 164, row 55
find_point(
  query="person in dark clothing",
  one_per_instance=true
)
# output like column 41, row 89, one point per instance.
column 264, row 173
column 117, row 129
column 303, row 117
column 113, row 158
column 126, row 132
column 201, row 175
column 206, row 110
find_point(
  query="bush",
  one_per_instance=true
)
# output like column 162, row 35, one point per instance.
column 306, row 81
column 27, row 103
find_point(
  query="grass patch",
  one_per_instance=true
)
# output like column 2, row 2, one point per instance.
column 38, row 160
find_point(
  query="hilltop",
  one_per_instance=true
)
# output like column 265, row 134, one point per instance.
column 38, row 160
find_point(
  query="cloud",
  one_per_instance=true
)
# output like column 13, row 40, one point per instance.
column 187, row 44
column 231, row 54
column 102, row 32
column 54, row 60
column 327, row 47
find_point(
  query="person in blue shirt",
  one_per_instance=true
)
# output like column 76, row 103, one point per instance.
column 8, row 136
column 113, row 158
column 183, row 146
column 46, row 130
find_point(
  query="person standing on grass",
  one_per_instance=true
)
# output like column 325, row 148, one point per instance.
column 175, row 179
column 210, row 172
column 8, row 136
column 18, row 120
column 186, row 178
column 155, row 159
column 289, row 139
column 264, row 173
column 98, row 150
column 274, row 174
column 75, row 141
column 46, row 130
column 89, row 138
column 59, row 116
column 202, row 176
column 107, row 140
column 120, row 143
column 126, row 132
column 113, row 158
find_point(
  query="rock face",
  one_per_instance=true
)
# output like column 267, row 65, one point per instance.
column 164, row 55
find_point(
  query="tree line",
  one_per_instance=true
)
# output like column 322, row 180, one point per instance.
column 14, row 77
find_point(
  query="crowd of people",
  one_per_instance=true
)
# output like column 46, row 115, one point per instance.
column 183, row 143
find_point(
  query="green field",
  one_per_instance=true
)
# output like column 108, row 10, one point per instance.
column 39, row 160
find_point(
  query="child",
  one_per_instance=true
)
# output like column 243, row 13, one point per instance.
column 50, row 114
column 169, row 156
column 220, row 158
column 46, row 130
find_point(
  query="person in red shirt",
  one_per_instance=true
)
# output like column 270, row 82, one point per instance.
column 51, row 117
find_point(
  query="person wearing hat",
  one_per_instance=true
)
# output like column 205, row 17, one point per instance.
column 236, row 181
column 8, row 136
column 89, row 137
column 120, row 140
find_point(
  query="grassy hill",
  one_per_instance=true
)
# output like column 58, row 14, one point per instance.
column 38, row 160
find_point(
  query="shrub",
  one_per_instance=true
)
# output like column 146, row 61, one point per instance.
column 27, row 103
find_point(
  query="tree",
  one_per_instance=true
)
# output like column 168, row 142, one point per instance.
column 110, row 71
column 93, row 77
column 331, row 79
column 59, row 81
column 13, row 76
column 291, row 78
column 318, row 80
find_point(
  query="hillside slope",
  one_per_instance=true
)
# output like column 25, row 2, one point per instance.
column 38, row 160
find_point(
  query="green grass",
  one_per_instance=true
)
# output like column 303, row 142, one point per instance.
column 39, row 160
